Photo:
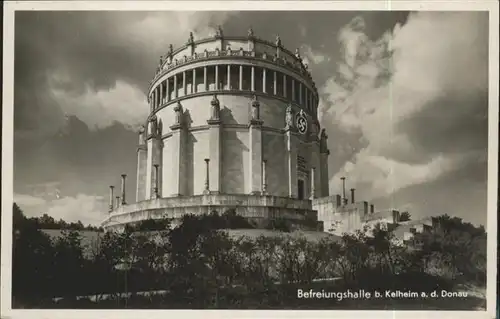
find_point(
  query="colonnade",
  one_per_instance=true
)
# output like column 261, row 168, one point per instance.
column 233, row 77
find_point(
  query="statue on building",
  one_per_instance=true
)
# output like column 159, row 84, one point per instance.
column 191, row 38
column 218, row 32
column 250, row 32
column 141, row 131
column 278, row 40
column 323, row 141
column 215, row 109
column 178, row 113
column 170, row 50
column 255, row 109
column 161, row 60
column 297, row 53
column 289, row 117
column 152, row 129
column 159, row 127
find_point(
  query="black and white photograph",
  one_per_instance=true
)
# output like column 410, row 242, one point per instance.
column 309, row 157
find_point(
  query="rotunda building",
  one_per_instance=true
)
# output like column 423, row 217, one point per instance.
column 232, row 125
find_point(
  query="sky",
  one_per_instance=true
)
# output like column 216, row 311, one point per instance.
column 403, row 98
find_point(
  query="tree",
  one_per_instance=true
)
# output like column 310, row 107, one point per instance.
column 31, row 261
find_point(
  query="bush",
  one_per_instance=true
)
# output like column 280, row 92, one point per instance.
column 198, row 265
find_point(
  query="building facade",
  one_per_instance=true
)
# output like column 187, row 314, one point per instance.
column 232, row 125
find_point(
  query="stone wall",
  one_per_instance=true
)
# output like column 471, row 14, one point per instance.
column 257, row 208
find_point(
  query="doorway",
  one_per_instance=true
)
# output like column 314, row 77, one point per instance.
column 300, row 189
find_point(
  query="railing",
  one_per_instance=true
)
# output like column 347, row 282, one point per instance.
column 296, row 67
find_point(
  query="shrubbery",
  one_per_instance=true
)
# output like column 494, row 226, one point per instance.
column 198, row 265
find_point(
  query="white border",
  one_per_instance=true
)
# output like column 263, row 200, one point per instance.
column 7, row 147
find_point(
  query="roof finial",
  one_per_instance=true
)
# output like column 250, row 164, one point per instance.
column 278, row 40
column 250, row 32
column 218, row 32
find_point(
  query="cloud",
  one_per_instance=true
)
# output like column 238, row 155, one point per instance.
column 417, row 95
column 124, row 104
column 80, row 63
column 88, row 209
column 311, row 57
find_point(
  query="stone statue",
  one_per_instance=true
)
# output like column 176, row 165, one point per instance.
column 215, row 108
column 322, row 141
column 152, row 125
column 289, row 117
column 218, row 32
column 278, row 40
column 170, row 50
column 161, row 60
column 191, row 37
column 178, row 113
column 159, row 127
column 255, row 109
column 297, row 53
column 250, row 32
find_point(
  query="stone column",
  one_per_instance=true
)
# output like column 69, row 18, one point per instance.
column 284, row 86
column 153, row 100
column 176, row 93
column 325, row 189
column 293, row 90
column 167, row 87
column 275, row 83
column 161, row 94
column 292, row 163
column 307, row 98
column 352, row 195
column 252, row 87
column 300, row 94
column 193, row 88
column 157, row 181
column 124, row 202
column 118, row 201
column 255, row 135
column 344, row 198
column 142, row 158
column 157, row 96
column 313, row 184
column 264, row 178
column 184, row 83
column 217, row 77
column 215, row 146
column 229, row 77
column 177, row 147
column 153, row 155
column 111, row 189
column 205, row 78
column 241, row 77
column 207, row 176
column 264, row 80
